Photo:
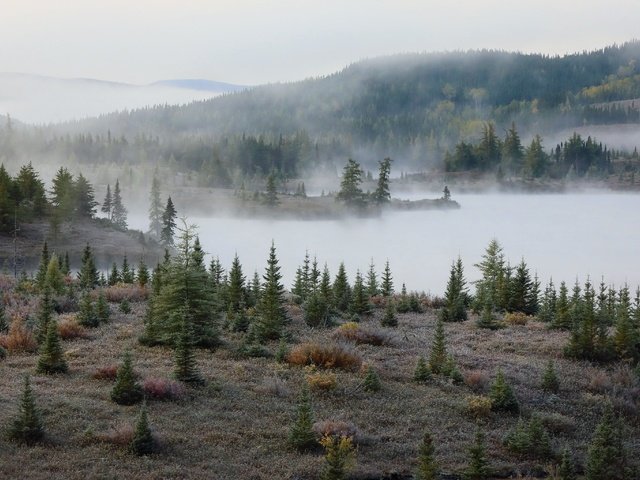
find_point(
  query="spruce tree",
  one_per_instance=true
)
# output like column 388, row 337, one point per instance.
column 371, row 380
column 54, row 278
column 502, row 396
column 44, row 264
column 102, row 310
column 606, row 456
column 85, row 202
column 142, row 443
column 107, row 203
column 88, row 274
column 478, row 468
column 339, row 457
column 372, row 281
column 271, row 312
column 387, row 281
column 562, row 319
column 51, row 356
column 341, row 290
column 550, row 382
column 438, row 354
column 114, row 275
column 27, row 427
column 126, row 390
column 118, row 211
column 185, row 369
column 301, row 435
column 389, row 318
column 316, row 311
column 382, row 195
column 155, row 208
column 87, row 315
column 350, row 192
column 127, row 274
column 427, row 465
column 326, row 289
column 271, row 193
column 45, row 313
column 359, row 301
column 422, row 374
column 236, row 288
column 566, row 470
column 142, row 276
column 168, row 224
column 455, row 295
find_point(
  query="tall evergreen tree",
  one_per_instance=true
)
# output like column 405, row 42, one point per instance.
column 372, row 281
column 142, row 276
column 438, row 355
column 107, row 203
column 84, row 198
column 44, row 264
column 118, row 211
column 478, row 468
column 142, row 443
column 88, row 274
column 271, row 312
column 512, row 151
column 607, row 456
column 155, row 208
column 301, row 435
column 427, row 465
column 271, row 194
column 126, row 390
column 27, row 427
column 382, row 194
column 128, row 275
column 51, row 356
column 44, row 315
column 350, row 192
column 185, row 363
column 62, row 194
column 168, row 223
column 341, row 289
column 387, row 281
column 359, row 304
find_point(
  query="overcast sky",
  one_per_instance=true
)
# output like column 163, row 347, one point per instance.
column 252, row 42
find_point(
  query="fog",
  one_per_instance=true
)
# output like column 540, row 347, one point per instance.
column 38, row 100
column 560, row 236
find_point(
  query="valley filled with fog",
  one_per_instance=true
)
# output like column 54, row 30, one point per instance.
column 559, row 235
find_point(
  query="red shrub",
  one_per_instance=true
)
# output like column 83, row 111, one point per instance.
column 106, row 373
column 163, row 389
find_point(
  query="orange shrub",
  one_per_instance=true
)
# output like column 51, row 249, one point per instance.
column 163, row 389
column 69, row 328
column 322, row 381
column 120, row 436
column 19, row 338
column 335, row 428
column 479, row 406
column 106, row 373
column 354, row 332
column 324, row 355
column 476, row 380
column 121, row 291
column 516, row 318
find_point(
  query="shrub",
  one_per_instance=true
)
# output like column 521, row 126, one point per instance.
column 371, row 381
column 336, row 428
column 339, row 457
column 502, row 396
column 600, row 382
column 70, row 329
column 125, row 306
column 120, row 436
column 354, row 332
column 479, row 406
column 516, row 318
column 27, row 427
column 109, row 372
column 324, row 355
column 322, row 381
column 20, row 338
column 476, row 380
column 557, row 423
column 126, row 391
column 163, row 389
column 132, row 293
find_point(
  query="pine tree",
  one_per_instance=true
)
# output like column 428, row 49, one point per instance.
column 51, row 356
column 478, row 468
column 455, row 295
column 271, row 312
column 626, row 338
column 155, row 208
column 271, row 194
column 44, row 264
column 427, row 465
column 168, row 223
column 550, row 382
column 387, row 281
column 382, row 195
column 236, row 287
column 27, row 427
column 326, row 289
column 84, row 198
column 350, row 192
column 371, row 381
column 520, row 289
column 607, row 456
column 45, row 313
column 87, row 315
column 438, row 355
column 88, row 274
column 359, row 302
column 493, row 271
column 422, row 374
column 102, row 310
column 341, row 290
column 566, row 471
column 301, row 435
column 54, row 278
column 372, row 281
column 142, row 443
column 185, row 363
column 142, row 276
column 128, row 275
column 126, row 390
column 339, row 457
column 118, row 211
column 389, row 319
column 114, row 275
column 562, row 319
column 502, row 396
column 107, row 203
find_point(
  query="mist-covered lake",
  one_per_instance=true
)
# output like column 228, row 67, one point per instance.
column 561, row 235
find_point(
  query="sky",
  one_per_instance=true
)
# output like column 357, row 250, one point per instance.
column 251, row 42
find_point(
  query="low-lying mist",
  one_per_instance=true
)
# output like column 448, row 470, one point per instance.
column 560, row 236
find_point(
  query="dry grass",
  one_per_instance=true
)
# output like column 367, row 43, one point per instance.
column 322, row 381
column 120, row 292
column 106, row 373
column 359, row 334
column 336, row 428
column 237, row 426
column 325, row 355
column 476, row 380
column 20, row 338
column 70, row 329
